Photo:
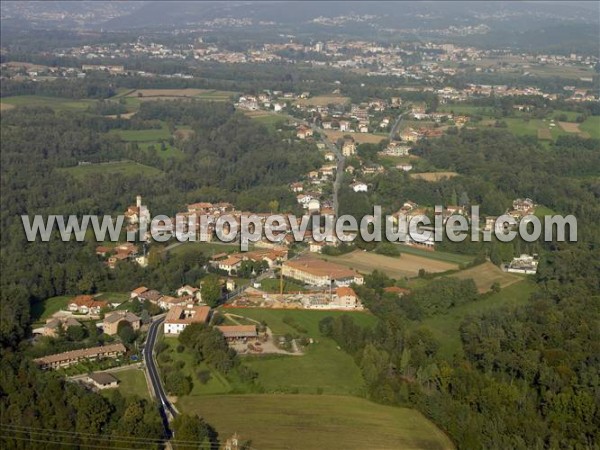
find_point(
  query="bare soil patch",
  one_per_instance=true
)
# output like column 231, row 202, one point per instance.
column 487, row 274
column 406, row 265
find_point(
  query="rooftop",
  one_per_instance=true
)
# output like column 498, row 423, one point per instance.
column 321, row 268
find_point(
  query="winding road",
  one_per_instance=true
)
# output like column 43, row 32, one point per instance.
column 164, row 405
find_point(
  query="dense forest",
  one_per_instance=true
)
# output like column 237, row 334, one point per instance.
column 526, row 377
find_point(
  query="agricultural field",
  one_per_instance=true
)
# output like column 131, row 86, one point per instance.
column 539, row 128
column 360, row 138
column 126, row 168
column 56, row 103
column 323, row 100
column 308, row 422
column 406, row 265
column 548, row 70
column 266, row 117
column 591, row 126
column 469, row 110
column 433, row 176
column 487, row 274
column 173, row 94
column 455, row 258
column 187, row 92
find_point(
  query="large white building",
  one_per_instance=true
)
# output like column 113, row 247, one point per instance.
column 180, row 317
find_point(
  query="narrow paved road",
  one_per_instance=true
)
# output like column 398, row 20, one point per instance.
column 164, row 404
column 339, row 173
column 396, row 126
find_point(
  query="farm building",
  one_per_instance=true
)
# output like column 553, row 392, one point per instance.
column 238, row 333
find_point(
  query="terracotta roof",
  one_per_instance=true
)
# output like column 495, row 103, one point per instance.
column 139, row 290
column 321, row 268
column 238, row 330
column 88, row 301
column 180, row 314
column 345, row 291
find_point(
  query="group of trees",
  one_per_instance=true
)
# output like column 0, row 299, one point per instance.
column 43, row 410
column 526, row 377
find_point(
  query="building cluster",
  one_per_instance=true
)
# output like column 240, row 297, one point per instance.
column 524, row 264
column 336, row 298
column 179, row 317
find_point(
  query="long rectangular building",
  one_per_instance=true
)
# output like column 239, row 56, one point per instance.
column 67, row 359
column 318, row 272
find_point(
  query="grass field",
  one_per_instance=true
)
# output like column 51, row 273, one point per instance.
column 114, row 297
column 127, row 168
column 591, row 126
column 534, row 127
column 323, row 367
column 407, row 265
column 308, row 422
column 217, row 383
column 187, row 92
column 132, row 383
column 57, row 103
column 445, row 327
column 323, row 100
column 454, row 258
column 216, row 96
column 433, row 176
column 487, row 274
column 173, row 94
column 266, row 118
column 40, row 311
column 549, row 70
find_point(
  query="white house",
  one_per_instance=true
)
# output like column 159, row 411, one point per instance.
column 314, row 205
column 359, row 186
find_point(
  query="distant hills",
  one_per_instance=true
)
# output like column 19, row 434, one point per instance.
column 538, row 25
